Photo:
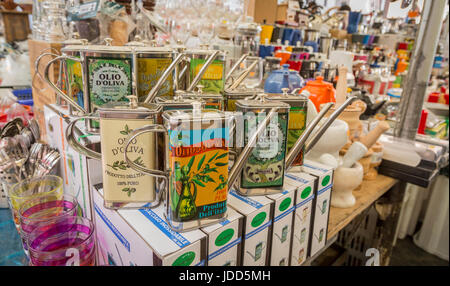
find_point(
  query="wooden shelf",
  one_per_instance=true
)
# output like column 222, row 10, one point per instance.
column 369, row 192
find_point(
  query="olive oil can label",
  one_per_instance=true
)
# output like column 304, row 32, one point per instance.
column 63, row 82
column 120, row 182
column 265, row 165
column 212, row 79
column 109, row 80
column 214, row 104
column 296, row 126
column 149, row 72
column 75, row 81
column 199, row 163
column 231, row 105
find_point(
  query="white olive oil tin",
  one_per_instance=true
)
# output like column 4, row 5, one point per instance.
column 124, row 187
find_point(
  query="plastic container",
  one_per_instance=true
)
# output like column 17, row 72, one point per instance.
column 321, row 91
column 23, row 94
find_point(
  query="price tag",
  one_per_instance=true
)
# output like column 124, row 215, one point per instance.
column 84, row 11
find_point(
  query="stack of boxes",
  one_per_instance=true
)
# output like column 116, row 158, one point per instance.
column 258, row 213
column 276, row 230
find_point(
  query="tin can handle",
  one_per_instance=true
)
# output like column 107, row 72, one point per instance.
column 202, row 71
column 153, row 128
column 58, row 91
column 248, row 149
column 242, row 76
column 154, row 91
column 38, row 61
column 235, row 66
column 74, row 142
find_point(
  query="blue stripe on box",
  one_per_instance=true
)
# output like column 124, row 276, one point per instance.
column 316, row 168
column 225, row 248
column 160, row 223
column 283, row 214
column 225, row 222
column 112, row 228
column 325, row 189
column 304, row 202
column 298, row 179
column 201, row 263
column 253, row 232
column 247, row 200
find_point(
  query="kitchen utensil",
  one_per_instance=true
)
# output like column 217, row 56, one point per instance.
column 283, row 78
column 320, row 92
column 346, row 179
column 44, row 209
column 69, row 241
column 31, row 188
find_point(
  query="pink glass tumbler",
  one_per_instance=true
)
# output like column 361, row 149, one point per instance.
column 68, row 241
column 45, row 209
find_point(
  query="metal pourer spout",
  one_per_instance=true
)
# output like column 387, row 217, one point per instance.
column 108, row 41
column 285, row 91
column 133, row 101
column 196, row 109
column 200, row 88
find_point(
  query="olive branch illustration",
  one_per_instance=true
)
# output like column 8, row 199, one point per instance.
column 122, row 165
column 202, row 175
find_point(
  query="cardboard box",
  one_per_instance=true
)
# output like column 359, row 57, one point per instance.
column 262, row 10
column 321, row 204
column 282, row 12
column 79, row 172
column 42, row 93
column 304, row 198
column 143, row 238
column 258, row 214
column 224, row 240
column 16, row 25
column 281, row 229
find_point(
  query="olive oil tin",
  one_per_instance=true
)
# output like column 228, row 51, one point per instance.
column 213, row 79
column 123, row 186
column 198, row 160
column 297, row 119
column 71, row 73
column 151, row 64
column 109, row 74
column 263, row 171
column 231, row 96
column 177, row 102
column 104, row 71
column 211, row 100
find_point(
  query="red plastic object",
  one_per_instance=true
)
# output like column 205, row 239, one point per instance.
column 446, row 98
column 295, row 65
column 423, row 122
column 320, row 92
column 402, row 46
column 433, row 97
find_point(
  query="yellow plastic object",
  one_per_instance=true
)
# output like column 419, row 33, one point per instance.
column 266, row 33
